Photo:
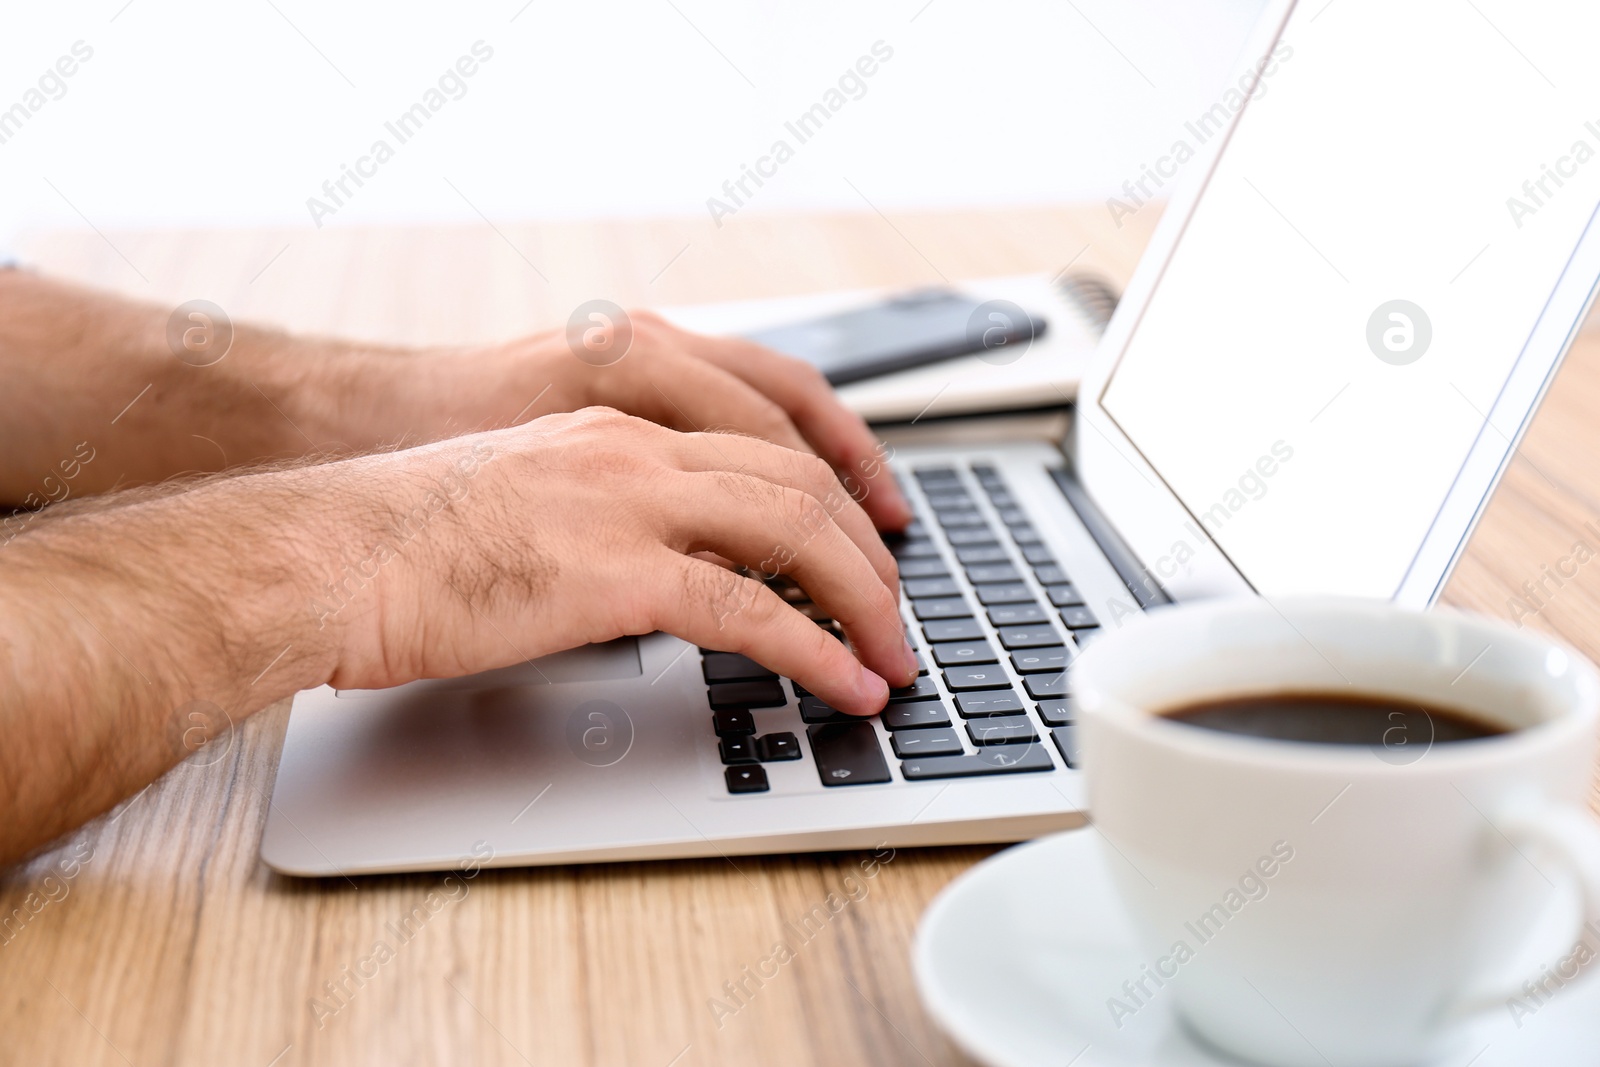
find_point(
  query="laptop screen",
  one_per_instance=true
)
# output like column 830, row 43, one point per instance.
column 1359, row 276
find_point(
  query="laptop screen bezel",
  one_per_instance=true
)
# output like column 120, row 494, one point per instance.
column 1173, row 548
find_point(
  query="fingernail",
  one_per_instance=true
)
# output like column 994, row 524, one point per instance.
column 873, row 689
column 912, row 666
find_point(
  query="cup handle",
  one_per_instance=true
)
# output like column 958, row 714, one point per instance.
column 1572, row 836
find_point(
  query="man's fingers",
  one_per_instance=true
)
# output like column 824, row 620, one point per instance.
column 717, row 609
column 783, row 530
column 799, row 470
column 692, row 395
column 692, row 382
column 837, row 434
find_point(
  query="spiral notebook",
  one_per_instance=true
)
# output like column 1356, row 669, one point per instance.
column 1076, row 305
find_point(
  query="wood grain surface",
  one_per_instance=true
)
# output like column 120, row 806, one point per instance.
column 156, row 936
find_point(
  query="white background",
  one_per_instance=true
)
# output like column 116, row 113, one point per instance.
column 195, row 113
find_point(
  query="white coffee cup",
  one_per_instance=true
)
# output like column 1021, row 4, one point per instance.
column 1309, row 904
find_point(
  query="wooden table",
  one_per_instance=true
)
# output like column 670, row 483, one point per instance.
column 173, row 944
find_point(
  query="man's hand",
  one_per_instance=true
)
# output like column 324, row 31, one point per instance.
column 651, row 369
column 464, row 555
column 90, row 374
column 585, row 527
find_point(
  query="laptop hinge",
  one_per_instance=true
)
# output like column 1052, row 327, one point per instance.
column 1147, row 592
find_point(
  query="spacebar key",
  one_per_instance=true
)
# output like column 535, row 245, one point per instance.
column 848, row 753
column 995, row 761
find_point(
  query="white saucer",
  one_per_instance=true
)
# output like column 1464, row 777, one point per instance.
column 1016, row 960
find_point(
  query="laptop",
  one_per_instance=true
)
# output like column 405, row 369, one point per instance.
column 1380, row 243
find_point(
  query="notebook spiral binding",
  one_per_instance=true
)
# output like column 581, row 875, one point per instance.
column 1094, row 298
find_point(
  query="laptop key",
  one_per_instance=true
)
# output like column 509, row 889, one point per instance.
column 972, row 554
column 763, row 694
column 732, row 667
column 848, row 753
column 955, row 519
column 1065, row 595
column 1050, row 574
column 1083, row 635
column 739, row 748
column 958, row 652
column 929, row 567
column 982, row 705
column 922, row 588
column 774, row 748
column 1056, row 712
column 751, row 778
column 915, row 716
column 921, row 689
column 1002, row 730
column 965, row 679
column 910, row 743
column 1079, row 618
column 1001, row 759
column 992, row 572
column 1012, row 516
column 1025, row 535
column 1017, row 615
column 1014, row 637
column 1037, row 554
column 813, row 710
column 1046, row 686
column 1041, row 660
column 936, row 474
column 971, row 535
column 729, row 723
column 1005, row 593
column 938, row 630
column 950, row 607
column 1066, row 739
column 945, row 500
column 916, row 548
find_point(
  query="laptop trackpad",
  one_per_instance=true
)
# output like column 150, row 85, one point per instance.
column 607, row 662
column 587, row 663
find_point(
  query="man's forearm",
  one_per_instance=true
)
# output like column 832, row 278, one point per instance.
column 96, row 397
column 119, row 620
column 134, row 626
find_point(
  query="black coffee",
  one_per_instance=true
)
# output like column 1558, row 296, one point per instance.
column 1335, row 719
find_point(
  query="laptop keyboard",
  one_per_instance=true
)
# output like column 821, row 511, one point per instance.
column 1000, row 621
